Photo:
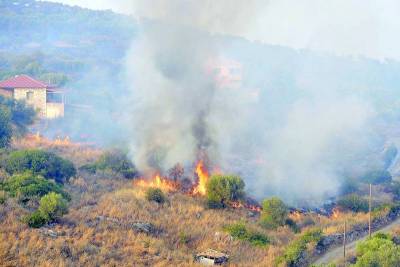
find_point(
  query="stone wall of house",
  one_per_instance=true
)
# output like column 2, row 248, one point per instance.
column 38, row 100
column 54, row 110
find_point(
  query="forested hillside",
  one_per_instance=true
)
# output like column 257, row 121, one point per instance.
column 57, row 42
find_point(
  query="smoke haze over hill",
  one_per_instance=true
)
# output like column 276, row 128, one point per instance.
column 293, row 124
column 292, row 144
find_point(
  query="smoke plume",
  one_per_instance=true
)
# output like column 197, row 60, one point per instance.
column 297, row 144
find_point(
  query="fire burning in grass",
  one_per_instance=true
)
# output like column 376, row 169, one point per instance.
column 157, row 181
column 335, row 213
column 202, row 174
column 166, row 184
column 199, row 188
column 240, row 205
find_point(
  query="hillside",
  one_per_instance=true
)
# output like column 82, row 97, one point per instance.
column 156, row 161
column 29, row 26
column 110, row 222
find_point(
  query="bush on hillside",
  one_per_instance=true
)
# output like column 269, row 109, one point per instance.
column 40, row 162
column 52, row 207
column 239, row 231
column 378, row 250
column 274, row 213
column 222, row 189
column 155, row 194
column 353, row 203
column 115, row 161
column 27, row 186
column 294, row 251
column 36, row 220
column 20, row 115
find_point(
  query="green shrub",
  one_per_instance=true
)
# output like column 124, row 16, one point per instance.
column 377, row 177
column 113, row 161
column 155, row 194
column 26, row 186
column 222, row 189
column 52, row 207
column 36, row 220
column 294, row 251
column 379, row 250
column 21, row 115
column 274, row 213
column 47, row 164
column 240, row 232
column 354, row 203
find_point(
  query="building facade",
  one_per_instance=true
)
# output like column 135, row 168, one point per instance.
column 47, row 100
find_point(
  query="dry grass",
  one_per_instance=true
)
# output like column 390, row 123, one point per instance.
column 84, row 240
column 78, row 153
column 108, row 244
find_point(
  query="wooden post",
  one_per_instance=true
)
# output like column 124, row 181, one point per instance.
column 369, row 210
column 344, row 244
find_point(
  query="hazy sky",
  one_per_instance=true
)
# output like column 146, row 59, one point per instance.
column 352, row 27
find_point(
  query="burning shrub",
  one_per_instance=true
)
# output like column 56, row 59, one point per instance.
column 114, row 161
column 176, row 172
column 240, row 231
column 155, row 194
column 52, row 207
column 222, row 189
column 354, row 203
column 40, row 162
column 27, row 186
column 274, row 213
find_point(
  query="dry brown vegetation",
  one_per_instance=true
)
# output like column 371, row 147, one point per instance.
column 186, row 227
column 97, row 230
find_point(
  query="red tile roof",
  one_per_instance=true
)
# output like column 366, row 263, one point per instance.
column 23, row 81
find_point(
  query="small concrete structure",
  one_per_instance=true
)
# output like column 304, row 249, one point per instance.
column 211, row 257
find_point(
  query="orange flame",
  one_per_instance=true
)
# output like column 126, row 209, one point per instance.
column 158, row 182
column 295, row 215
column 239, row 205
column 203, row 176
column 335, row 213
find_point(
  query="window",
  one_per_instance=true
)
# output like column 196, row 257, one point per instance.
column 29, row 96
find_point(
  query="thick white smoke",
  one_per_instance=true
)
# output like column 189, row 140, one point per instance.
column 295, row 145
